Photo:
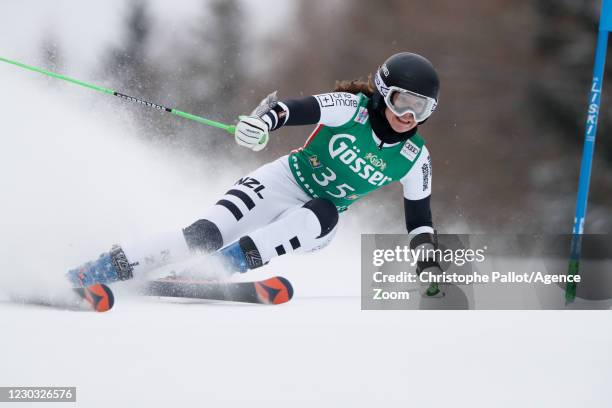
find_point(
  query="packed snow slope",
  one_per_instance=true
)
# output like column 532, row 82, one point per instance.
column 75, row 178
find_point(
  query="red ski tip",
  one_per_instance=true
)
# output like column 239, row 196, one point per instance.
column 274, row 290
column 99, row 296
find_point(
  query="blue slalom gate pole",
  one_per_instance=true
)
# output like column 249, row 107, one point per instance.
column 605, row 26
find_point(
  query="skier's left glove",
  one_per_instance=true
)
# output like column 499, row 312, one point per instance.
column 252, row 132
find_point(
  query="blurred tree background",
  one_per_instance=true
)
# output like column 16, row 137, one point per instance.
column 506, row 139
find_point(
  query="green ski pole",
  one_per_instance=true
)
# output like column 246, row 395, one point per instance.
column 229, row 128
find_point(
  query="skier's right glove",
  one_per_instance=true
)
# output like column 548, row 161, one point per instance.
column 252, row 132
column 426, row 242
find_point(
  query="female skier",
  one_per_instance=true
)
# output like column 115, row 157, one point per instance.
column 366, row 137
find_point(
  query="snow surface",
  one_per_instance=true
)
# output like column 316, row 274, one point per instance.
column 314, row 350
column 74, row 180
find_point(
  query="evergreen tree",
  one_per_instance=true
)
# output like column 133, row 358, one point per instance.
column 211, row 68
column 51, row 52
column 127, row 62
column 130, row 69
column 565, row 43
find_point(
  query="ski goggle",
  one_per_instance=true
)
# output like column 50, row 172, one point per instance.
column 401, row 101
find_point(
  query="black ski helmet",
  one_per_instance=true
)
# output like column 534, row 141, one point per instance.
column 408, row 71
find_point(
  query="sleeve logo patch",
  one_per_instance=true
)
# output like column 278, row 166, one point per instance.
column 362, row 116
column 329, row 100
column 410, row 150
column 325, row 100
column 426, row 173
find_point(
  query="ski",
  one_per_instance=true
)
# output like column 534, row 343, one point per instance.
column 273, row 291
column 98, row 295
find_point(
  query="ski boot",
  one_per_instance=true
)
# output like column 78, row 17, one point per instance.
column 240, row 256
column 110, row 267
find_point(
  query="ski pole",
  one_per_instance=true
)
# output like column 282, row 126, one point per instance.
column 605, row 26
column 229, row 128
